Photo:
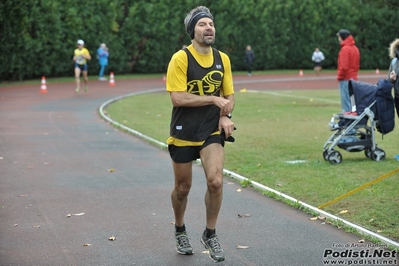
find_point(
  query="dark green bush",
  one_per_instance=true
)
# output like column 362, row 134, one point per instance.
column 38, row 36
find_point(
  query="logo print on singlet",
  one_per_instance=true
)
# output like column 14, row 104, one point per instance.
column 208, row 85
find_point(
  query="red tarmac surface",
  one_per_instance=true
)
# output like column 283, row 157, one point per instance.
column 57, row 156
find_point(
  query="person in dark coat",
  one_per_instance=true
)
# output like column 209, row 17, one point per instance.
column 249, row 59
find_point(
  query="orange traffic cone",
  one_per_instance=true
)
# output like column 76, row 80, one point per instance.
column 377, row 71
column 43, row 88
column 300, row 73
column 164, row 78
column 111, row 79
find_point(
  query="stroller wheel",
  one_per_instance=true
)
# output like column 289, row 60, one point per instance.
column 367, row 152
column 325, row 154
column 378, row 155
column 334, row 157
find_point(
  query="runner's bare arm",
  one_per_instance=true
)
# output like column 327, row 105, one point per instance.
column 228, row 109
column 185, row 99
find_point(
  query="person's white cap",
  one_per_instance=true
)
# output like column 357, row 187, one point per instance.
column 81, row 42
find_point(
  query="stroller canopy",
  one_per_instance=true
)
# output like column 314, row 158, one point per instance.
column 364, row 94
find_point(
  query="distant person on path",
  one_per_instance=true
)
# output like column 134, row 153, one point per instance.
column 200, row 83
column 348, row 66
column 81, row 55
column 394, row 70
column 102, row 55
column 317, row 58
column 249, row 58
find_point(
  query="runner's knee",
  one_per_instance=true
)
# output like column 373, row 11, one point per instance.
column 215, row 184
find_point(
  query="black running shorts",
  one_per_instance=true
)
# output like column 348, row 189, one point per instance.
column 187, row 154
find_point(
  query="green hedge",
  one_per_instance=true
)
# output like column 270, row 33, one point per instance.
column 38, row 36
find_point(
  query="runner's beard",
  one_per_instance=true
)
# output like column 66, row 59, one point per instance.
column 208, row 42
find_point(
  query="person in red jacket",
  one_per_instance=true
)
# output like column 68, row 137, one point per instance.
column 348, row 66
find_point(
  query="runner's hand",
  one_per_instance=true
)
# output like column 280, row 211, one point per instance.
column 224, row 105
column 226, row 126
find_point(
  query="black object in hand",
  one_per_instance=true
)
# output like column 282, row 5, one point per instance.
column 229, row 139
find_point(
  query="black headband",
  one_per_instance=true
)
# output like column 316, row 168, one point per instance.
column 193, row 21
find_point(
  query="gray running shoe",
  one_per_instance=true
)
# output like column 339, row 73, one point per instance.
column 183, row 243
column 212, row 244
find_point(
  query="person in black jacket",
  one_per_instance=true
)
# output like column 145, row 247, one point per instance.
column 249, row 59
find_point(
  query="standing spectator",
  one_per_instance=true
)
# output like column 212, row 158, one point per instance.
column 102, row 55
column 249, row 58
column 317, row 58
column 200, row 83
column 348, row 66
column 394, row 70
column 81, row 55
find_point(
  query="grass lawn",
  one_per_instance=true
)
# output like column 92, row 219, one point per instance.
column 274, row 127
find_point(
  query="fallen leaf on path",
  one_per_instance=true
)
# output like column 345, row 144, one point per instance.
column 205, row 252
column 86, row 245
column 15, row 225
column 244, row 215
column 242, row 247
column 36, row 226
column 239, row 190
column 111, row 170
column 321, row 217
column 361, row 241
column 313, row 218
column 75, row 214
column 112, row 238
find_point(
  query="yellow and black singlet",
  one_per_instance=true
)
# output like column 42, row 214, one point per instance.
column 198, row 123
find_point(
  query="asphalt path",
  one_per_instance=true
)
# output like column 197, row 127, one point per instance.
column 69, row 181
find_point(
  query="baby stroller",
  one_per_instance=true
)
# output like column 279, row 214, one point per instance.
column 373, row 108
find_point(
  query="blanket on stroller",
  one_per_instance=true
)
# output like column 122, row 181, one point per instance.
column 384, row 108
